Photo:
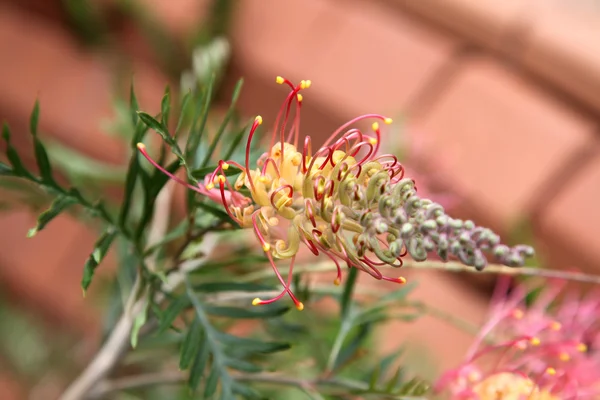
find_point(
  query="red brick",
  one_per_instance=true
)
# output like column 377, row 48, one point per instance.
column 75, row 88
column 504, row 137
column 377, row 61
column 570, row 224
column 570, row 55
column 487, row 23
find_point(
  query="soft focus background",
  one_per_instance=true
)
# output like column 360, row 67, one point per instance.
column 500, row 98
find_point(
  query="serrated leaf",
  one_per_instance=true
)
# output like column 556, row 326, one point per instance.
column 165, row 107
column 212, row 287
column 58, row 206
column 191, row 344
column 211, row 383
column 254, row 312
column 174, row 309
column 100, row 249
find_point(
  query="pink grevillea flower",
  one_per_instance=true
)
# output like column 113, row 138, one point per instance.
column 344, row 200
column 540, row 351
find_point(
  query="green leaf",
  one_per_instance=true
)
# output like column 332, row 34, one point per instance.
column 172, row 312
column 236, row 141
column 13, row 157
column 133, row 109
column 227, row 286
column 266, row 311
column 201, row 115
column 252, row 345
column 130, row 180
column 5, row 169
column 190, row 345
column 165, row 107
column 57, row 206
column 198, row 367
column 184, row 105
column 35, row 116
column 346, row 299
column 243, row 366
column 138, row 322
column 154, row 124
column 100, row 249
column 228, row 115
column 211, row 383
column 217, row 212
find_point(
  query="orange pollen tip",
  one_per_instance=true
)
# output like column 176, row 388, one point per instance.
column 263, row 179
column 373, row 141
column 564, row 357
column 258, row 119
column 224, row 166
column 279, row 80
column 302, row 84
column 141, row 146
column 307, row 83
column 375, row 126
column 210, row 186
column 582, row 348
column 221, row 178
column 300, row 306
column 555, row 326
column 337, row 281
column 266, row 247
column 299, row 97
column 388, row 121
column 535, row 341
column 402, row 280
column 256, row 301
column 550, row 371
column 517, row 314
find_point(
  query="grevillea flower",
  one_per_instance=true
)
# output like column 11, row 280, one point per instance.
column 344, row 200
column 540, row 351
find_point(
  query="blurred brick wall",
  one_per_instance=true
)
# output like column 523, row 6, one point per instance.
column 508, row 91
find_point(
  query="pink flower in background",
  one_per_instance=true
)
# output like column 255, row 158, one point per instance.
column 541, row 351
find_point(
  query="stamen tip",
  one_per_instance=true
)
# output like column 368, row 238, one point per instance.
column 256, row 301
column 299, row 97
column 550, row 371
column 141, row 146
column 300, row 306
column 373, row 141
column 224, row 165
column 402, row 280
column 210, row 186
column 308, row 83
column 582, row 347
column 555, row 326
column 279, row 80
column 388, row 121
column 266, row 247
column 302, row 84
column 258, row 119
column 535, row 341
column 337, row 281
column 375, row 126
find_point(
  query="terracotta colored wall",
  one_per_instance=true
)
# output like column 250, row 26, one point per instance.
column 506, row 91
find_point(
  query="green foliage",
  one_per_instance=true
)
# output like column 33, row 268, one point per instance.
column 184, row 302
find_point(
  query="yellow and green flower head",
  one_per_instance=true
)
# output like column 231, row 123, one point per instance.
column 345, row 200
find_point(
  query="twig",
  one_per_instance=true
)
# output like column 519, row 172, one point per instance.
column 325, row 266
